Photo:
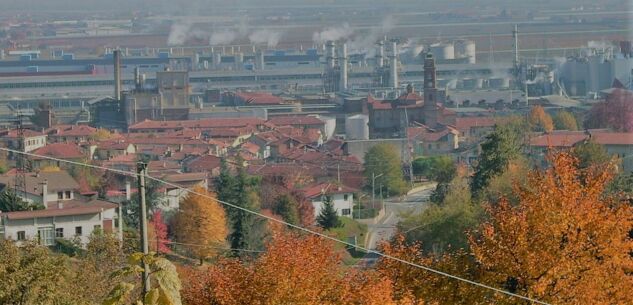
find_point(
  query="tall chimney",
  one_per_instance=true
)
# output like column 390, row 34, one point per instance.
column 393, row 75
column 137, row 78
column 343, row 66
column 259, row 61
column 117, row 74
column 330, row 54
column 380, row 57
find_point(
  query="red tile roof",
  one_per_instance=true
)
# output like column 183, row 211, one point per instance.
column 612, row 138
column 71, row 130
column 196, row 124
column 13, row 133
column 204, row 163
column 327, row 189
column 295, row 120
column 464, row 123
column 70, row 208
column 59, row 150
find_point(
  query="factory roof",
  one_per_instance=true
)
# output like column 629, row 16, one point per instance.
column 295, row 120
column 259, row 98
column 196, row 124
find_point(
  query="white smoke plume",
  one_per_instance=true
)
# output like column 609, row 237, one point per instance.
column 333, row 33
column 178, row 33
column 223, row 37
column 367, row 41
column 268, row 37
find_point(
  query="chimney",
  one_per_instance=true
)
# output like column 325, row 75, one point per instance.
column 44, row 187
column 117, row 74
column 393, row 75
column 343, row 66
column 128, row 190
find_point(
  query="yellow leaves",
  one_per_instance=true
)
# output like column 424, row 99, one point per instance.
column 119, row 294
column 539, row 120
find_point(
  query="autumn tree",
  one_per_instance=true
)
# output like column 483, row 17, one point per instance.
column 328, row 217
column 564, row 120
column 157, row 233
column 539, row 120
column 383, row 162
column 590, row 154
column 504, row 144
column 502, row 185
column 295, row 269
column 563, row 243
column 615, row 112
column 200, row 223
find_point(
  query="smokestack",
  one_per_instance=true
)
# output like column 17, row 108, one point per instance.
column 137, row 78
column 329, row 48
column 260, row 63
column 515, row 46
column 343, row 67
column 117, row 74
column 393, row 75
column 380, row 55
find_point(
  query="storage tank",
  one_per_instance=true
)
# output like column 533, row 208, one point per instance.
column 466, row 49
column 443, row 51
column 357, row 127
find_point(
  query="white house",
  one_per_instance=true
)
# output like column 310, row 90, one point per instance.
column 32, row 140
column 173, row 194
column 64, row 215
column 342, row 197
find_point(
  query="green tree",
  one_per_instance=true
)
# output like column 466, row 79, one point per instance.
column 153, row 198
column 31, row 274
column 384, row 162
column 328, row 218
column 286, row 207
column 443, row 227
column 590, row 153
column 564, row 120
column 502, row 145
column 11, row 202
column 441, row 169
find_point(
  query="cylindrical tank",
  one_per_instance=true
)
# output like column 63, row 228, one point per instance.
column 357, row 127
column 466, row 49
column 443, row 51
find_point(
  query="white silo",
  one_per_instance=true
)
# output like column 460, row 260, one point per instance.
column 466, row 49
column 357, row 127
column 443, row 51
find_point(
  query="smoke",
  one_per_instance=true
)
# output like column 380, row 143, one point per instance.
column 333, row 33
column 592, row 44
column 366, row 42
column 178, row 33
column 223, row 37
column 268, row 37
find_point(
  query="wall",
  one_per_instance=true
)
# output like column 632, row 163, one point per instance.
column 339, row 202
column 358, row 148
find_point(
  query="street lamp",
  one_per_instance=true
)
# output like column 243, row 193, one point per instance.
column 373, row 189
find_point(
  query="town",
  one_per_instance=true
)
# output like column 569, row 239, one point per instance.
column 155, row 157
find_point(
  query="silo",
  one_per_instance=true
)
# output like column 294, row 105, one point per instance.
column 466, row 49
column 357, row 127
column 443, row 51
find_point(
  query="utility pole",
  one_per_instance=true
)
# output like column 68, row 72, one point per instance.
column 373, row 188
column 141, row 171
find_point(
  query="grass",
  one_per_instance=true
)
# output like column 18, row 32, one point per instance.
column 346, row 232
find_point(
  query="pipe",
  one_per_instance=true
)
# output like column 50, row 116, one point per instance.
column 393, row 75
column 117, row 74
column 343, row 67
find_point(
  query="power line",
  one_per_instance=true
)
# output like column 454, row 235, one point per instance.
column 166, row 241
column 391, row 257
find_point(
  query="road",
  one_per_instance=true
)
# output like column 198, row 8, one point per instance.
column 385, row 229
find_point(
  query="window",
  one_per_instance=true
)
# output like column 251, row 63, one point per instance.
column 59, row 232
column 345, row 212
column 21, row 235
column 60, row 195
column 78, row 231
column 46, row 236
column 68, row 194
column 345, row 197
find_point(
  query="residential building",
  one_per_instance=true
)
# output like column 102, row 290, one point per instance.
column 185, row 181
column 64, row 151
column 342, row 197
column 32, row 140
column 70, row 133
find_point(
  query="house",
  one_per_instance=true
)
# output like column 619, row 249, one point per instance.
column 106, row 150
column 70, row 133
column 149, row 126
column 429, row 142
column 207, row 163
column 474, row 128
column 65, row 214
column 32, row 139
column 342, row 197
column 173, row 194
column 71, row 219
column 63, row 151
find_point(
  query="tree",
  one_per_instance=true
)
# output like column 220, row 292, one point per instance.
column 615, row 112
column 502, row 145
column 564, row 120
column 11, row 202
column 590, row 154
column 200, row 223
column 328, row 217
column 539, row 120
column 565, row 242
column 443, row 227
column 383, row 161
column 153, row 198
column 295, row 269
column 166, row 283
column 157, row 233
column 31, row 274
column 503, row 185
column 101, row 134
column 286, row 207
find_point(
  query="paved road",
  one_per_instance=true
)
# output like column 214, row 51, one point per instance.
column 386, row 227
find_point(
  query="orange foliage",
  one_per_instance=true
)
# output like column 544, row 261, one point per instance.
column 294, row 270
column 540, row 120
column 201, row 222
column 564, row 242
